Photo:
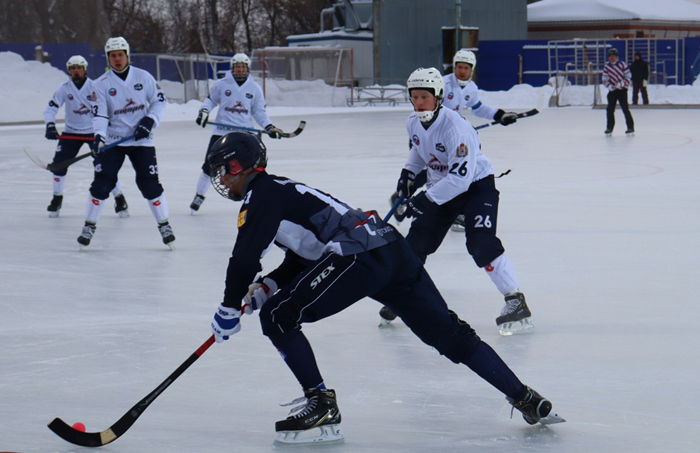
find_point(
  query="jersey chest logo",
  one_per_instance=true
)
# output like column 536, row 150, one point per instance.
column 415, row 140
column 462, row 150
column 227, row 93
column 450, row 95
column 138, row 87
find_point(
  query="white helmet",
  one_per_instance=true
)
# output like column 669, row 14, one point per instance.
column 240, row 58
column 428, row 79
column 464, row 56
column 77, row 60
column 117, row 43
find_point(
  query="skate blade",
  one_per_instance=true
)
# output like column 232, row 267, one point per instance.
column 384, row 322
column 516, row 327
column 123, row 214
column 629, row 134
column 53, row 215
column 171, row 245
column 329, row 434
column 551, row 419
column 457, row 228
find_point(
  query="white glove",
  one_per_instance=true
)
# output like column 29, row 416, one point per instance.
column 258, row 293
column 273, row 132
column 202, row 117
column 226, row 322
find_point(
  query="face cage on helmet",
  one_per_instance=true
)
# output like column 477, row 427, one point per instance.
column 234, row 171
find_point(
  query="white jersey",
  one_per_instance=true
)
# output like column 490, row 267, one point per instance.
column 451, row 150
column 78, row 106
column 121, row 104
column 237, row 104
column 466, row 97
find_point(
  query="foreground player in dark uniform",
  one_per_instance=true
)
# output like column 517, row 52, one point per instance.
column 335, row 255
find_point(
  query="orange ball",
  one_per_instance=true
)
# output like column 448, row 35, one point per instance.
column 79, row 426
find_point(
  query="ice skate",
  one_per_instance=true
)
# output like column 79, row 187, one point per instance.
column 535, row 408
column 458, row 225
column 608, row 132
column 318, row 409
column 86, row 235
column 515, row 316
column 629, row 132
column 55, row 206
column 196, row 203
column 120, row 206
column 166, row 232
column 387, row 315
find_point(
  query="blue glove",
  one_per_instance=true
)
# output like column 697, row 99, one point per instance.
column 273, row 132
column 97, row 144
column 226, row 322
column 505, row 118
column 418, row 205
column 258, row 293
column 202, row 117
column 143, row 130
column 51, row 132
column 405, row 185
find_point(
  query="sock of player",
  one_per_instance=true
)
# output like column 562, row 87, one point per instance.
column 93, row 209
column 117, row 188
column 485, row 362
column 300, row 359
column 59, row 183
column 203, row 183
column 502, row 274
column 159, row 208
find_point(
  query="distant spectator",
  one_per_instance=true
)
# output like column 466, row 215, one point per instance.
column 640, row 78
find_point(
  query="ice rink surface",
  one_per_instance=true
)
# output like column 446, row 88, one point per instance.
column 604, row 234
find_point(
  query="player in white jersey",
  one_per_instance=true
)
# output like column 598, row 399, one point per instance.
column 129, row 103
column 77, row 94
column 460, row 182
column 240, row 99
column 462, row 93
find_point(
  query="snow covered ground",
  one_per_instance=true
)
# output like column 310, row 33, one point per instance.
column 603, row 233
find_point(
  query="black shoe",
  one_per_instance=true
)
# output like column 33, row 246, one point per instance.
column 532, row 405
column 87, row 233
column 55, row 205
column 608, row 132
column 320, row 409
column 120, row 206
column 166, row 232
column 196, row 203
column 629, row 132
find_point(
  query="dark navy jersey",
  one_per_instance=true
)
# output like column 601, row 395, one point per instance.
column 298, row 218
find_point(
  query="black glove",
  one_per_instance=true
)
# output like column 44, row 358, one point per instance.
column 417, row 205
column 51, row 132
column 273, row 132
column 96, row 144
column 202, row 117
column 505, row 118
column 143, row 130
column 405, row 185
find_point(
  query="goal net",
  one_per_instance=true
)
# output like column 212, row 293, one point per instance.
column 331, row 65
column 187, row 77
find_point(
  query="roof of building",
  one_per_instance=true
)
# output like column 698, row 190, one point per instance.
column 596, row 10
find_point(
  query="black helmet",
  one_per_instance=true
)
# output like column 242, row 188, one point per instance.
column 613, row 51
column 236, row 155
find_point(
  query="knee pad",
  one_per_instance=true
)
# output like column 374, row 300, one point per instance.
column 484, row 247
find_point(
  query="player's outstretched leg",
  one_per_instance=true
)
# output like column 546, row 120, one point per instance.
column 55, row 206
column 387, row 315
column 166, row 232
column 535, row 408
column 318, row 409
column 120, row 206
column 515, row 316
column 197, row 203
column 86, row 235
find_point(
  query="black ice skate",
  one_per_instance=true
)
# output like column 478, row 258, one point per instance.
column 515, row 316
column 120, row 206
column 608, row 132
column 319, row 409
column 535, row 408
column 86, row 236
column 196, row 203
column 629, row 132
column 387, row 315
column 166, row 232
column 458, row 225
column 55, row 205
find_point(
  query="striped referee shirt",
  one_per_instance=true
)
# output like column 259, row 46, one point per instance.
column 616, row 76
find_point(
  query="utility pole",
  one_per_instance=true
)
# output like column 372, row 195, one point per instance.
column 458, row 25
